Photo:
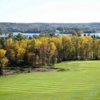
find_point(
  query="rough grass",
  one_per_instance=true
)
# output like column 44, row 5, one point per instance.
column 80, row 82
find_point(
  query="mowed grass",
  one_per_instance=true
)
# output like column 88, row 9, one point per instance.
column 80, row 82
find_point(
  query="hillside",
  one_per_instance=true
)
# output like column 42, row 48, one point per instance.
column 49, row 27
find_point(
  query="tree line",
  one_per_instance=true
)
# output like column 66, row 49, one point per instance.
column 46, row 51
column 64, row 28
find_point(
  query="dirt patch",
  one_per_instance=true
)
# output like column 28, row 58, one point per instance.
column 26, row 70
column 44, row 70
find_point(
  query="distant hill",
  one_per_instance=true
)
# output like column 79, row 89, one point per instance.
column 49, row 27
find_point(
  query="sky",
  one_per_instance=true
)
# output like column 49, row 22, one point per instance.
column 50, row 11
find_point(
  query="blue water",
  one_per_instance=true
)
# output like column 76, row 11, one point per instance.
column 92, row 34
column 31, row 34
column 26, row 34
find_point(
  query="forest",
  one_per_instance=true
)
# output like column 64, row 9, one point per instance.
column 65, row 28
column 46, row 50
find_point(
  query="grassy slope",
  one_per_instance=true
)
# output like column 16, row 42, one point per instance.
column 81, row 82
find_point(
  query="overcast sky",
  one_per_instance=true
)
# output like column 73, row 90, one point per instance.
column 61, row 11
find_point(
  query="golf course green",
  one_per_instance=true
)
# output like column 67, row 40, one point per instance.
column 80, row 81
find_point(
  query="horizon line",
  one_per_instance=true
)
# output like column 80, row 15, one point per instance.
column 50, row 22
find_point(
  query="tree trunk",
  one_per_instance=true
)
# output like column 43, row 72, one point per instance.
column 1, row 71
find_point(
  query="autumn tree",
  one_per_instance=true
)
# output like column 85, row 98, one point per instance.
column 8, row 44
column 43, row 52
column 3, row 61
column 51, row 49
column 74, row 33
column 58, row 43
column 75, row 47
column 88, row 47
column 67, row 48
column 96, row 49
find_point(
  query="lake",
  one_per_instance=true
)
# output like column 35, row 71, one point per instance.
column 26, row 34
column 92, row 34
column 16, row 33
column 31, row 34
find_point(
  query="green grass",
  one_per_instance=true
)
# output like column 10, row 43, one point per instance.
column 80, row 82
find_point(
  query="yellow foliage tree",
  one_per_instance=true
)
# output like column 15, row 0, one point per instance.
column 3, row 61
column 8, row 44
